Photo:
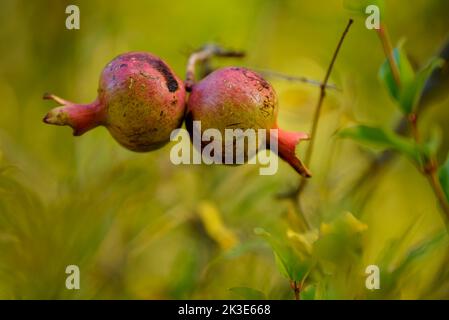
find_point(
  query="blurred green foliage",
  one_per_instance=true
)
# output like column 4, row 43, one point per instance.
column 141, row 228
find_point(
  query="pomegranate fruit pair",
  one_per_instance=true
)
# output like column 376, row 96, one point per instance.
column 141, row 101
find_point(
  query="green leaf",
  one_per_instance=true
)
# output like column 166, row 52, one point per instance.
column 420, row 81
column 248, row 293
column 382, row 138
column 406, row 77
column 436, row 85
column 340, row 239
column 289, row 263
column 443, row 175
column 411, row 87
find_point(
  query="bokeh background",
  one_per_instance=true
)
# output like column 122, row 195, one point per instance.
column 140, row 227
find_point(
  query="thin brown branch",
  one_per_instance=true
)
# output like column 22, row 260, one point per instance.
column 413, row 120
column 296, row 192
column 323, row 95
column 286, row 77
column 432, row 176
column 430, row 170
column 203, row 56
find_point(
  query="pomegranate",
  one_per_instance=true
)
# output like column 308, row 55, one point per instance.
column 238, row 98
column 140, row 101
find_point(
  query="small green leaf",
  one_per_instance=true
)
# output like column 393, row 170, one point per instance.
column 409, row 92
column 382, row 138
column 443, row 175
column 340, row 238
column 289, row 263
column 248, row 293
column 406, row 77
column 420, row 81
column 436, row 85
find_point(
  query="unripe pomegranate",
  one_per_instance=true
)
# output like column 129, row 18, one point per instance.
column 238, row 98
column 140, row 101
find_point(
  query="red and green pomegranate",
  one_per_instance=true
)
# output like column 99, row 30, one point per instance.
column 140, row 101
column 238, row 98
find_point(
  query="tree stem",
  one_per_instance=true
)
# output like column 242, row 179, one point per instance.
column 296, row 289
column 432, row 175
column 388, row 49
column 430, row 170
column 413, row 120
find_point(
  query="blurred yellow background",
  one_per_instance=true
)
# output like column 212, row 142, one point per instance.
column 141, row 228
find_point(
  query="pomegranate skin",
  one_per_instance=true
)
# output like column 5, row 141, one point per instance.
column 231, row 98
column 140, row 101
column 145, row 100
column 238, row 98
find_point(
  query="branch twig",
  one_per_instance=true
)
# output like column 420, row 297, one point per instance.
column 430, row 170
column 275, row 74
column 439, row 192
column 296, row 192
column 203, row 55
